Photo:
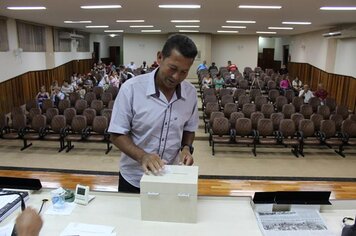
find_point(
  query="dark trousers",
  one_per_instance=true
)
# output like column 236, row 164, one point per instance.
column 126, row 187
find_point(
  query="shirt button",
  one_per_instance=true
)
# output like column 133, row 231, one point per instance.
column 163, row 139
column 175, row 118
column 165, row 123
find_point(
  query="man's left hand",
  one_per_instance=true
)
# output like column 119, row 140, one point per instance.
column 185, row 157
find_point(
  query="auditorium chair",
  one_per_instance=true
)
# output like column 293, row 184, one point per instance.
column 62, row 105
column 50, row 113
column 80, row 106
column 331, row 103
column 267, row 110
column 276, row 119
column 213, row 115
column 272, row 95
column 111, row 104
column 289, row 94
column 243, row 99
column 90, row 114
column 348, row 132
column 314, row 102
column 306, row 110
column 330, row 137
column 73, row 97
column 265, row 133
column 255, row 117
column 97, row 105
column 230, row 108
column 234, row 116
column 316, row 118
column 3, row 124
column 228, row 98
column 36, row 132
column 352, row 117
column 296, row 117
column 220, row 132
column 210, row 107
column 69, row 113
column 16, row 111
column 244, row 134
column 259, row 101
column 271, row 85
column 89, row 97
column 32, row 112
column 288, row 135
column 243, row 84
column 209, row 98
column 280, row 102
column 57, row 132
column 224, row 91
column 113, row 90
column 288, row 110
column 106, row 97
column 32, row 103
column 297, row 102
column 46, row 104
column 342, row 110
column 248, row 108
column 337, row 118
column 76, row 131
column 307, row 135
column 107, row 113
column 98, row 91
column 99, row 132
column 255, row 93
column 238, row 92
column 324, row 110
column 15, row 130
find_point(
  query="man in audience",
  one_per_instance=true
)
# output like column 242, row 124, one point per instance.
column 154, row 65
column 132, row 66
column 57, row 96
column 28, row 223
column 306, row 93
column 155, row 116
column 231, row 67
column 283, row 70
column 321, row 93
column 202, row 66
column 297, row 85
column 213, row 67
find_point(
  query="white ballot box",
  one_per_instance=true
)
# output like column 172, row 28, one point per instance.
column 170, row 196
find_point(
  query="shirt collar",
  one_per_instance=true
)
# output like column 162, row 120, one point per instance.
column 152, row 89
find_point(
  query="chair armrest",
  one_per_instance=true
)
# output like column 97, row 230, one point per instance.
column 64, row 132
column 321, row 136
column 300, row 135
column 343, row 136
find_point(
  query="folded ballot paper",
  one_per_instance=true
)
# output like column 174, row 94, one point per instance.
column 88, row 230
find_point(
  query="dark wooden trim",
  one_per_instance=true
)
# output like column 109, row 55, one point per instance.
column 340, row 87
column 18, row 90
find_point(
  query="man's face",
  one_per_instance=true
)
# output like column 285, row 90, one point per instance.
column 306, row 88
column 173, row 69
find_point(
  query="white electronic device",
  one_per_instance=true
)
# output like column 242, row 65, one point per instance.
column 82, row 195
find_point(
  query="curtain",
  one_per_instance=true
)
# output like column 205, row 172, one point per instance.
column 31, row 37
column 84, row 44
column 4, row 41
column 60, row 44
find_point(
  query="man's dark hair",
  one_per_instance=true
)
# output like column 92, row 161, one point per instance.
column 182, row 44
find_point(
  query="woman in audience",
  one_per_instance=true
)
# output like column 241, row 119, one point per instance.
column 81, row 90
column 67, row 88
column 114, row 79
column 321, row 93
column 42, row 95
column 207, row 81
column 297, row 85
column 219, row 83
column 284, row 84
column 53, row 86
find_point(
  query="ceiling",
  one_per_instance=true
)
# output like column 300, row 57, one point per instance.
column 212, row 14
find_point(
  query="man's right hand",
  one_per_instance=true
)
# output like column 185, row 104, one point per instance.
column 152, row 162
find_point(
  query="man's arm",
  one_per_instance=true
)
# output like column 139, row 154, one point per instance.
column 149, row 161
column 186, row 157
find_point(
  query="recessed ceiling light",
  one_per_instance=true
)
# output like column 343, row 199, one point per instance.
column 281, row 28
column 27, row 8
column 96, row 26
column 185, row 21
column 233, row 27
column 179, row 6
column 141, row 26
column 113, row 31
column 187, row 26
column 265, row 32
column 150, row 31
column 101, row 7
column 130, row 21
column 351, row 8
column 113, row 35
column 259, row 7
column 77, row 21
column 228, row 31
column 296, row 23
column 189, row 31
column 241, row 21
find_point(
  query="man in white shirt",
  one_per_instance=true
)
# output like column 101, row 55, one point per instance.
column 297, row 85
column 155, row 116
column 132, row 66
column 306, row 93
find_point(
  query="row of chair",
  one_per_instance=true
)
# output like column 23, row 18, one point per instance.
column 289, row 133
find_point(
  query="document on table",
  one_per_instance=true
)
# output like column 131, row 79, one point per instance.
column 7, row 229
column 88, row 230
column 292, row 223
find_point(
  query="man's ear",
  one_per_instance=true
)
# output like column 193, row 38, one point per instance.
column 159, row 57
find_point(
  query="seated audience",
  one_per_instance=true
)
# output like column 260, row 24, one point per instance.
column 154, row 65
column 284, row 84
column 53, row 85
column 144, row 67
column 202, row 66
column 207, row 82
column 67, row 88
column 81, row 91
column 42, row 95
column 213, row 67
column 306, row 93
column 231, row 67
column 132, row 66
column 297, row 85
column 283, row 70
column 219, row 83
column 321, row 93
column 58, row 95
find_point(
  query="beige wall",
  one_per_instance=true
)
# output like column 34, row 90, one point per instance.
column 345, row 59
column 265, row 42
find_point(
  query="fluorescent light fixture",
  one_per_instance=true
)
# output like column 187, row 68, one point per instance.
column 27, row 8
column 130, row 21
column 189, row 31
column 228, row 31
column 96, row 26
column 77, row 21
column 351, row 8
column 281, row 28
column 265, row 32
column 233, row 27
column 113, row 31
column 141, row 26
column 296, row 23
column 113, row 35
column 185, row 21
column 259, row 7
column 101, row 7
column 241, row 21
column 150, row 31
column 180, row 6
column 187, row 26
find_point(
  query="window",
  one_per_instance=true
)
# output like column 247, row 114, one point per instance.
column 61, row 40
column 4, row 41
column 84, row 44
column 31, row 37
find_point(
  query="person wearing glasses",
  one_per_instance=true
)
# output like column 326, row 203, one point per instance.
column 155, row 116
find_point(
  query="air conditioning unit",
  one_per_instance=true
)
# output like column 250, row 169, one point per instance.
column 341, row 32
column 67, row 35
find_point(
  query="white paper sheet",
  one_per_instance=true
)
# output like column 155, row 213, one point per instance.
column 88, row 230
column 7, row 229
